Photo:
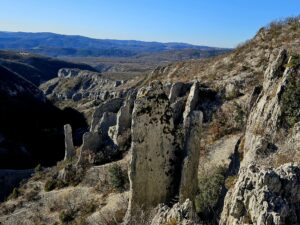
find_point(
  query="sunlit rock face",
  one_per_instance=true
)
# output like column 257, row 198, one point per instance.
column 264, row 196
column 153, row 150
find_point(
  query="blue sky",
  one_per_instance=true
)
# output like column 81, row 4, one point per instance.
column 223, row 23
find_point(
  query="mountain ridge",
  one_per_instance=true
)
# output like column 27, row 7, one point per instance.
column 53, row 44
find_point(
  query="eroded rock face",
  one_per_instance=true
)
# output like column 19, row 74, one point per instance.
column 264, row 196
column 69, row 146
column 76, row 84
column 175, row 91
column 108, row 119
column 191, row 103
column 189, row 174
column 112, row 105
column 153, row 151
column 265, row 116
column 121, row 133
column 92, row 143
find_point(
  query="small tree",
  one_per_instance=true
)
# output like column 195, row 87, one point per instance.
column 117, row 177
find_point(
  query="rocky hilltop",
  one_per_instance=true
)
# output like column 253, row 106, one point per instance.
column 201, row 142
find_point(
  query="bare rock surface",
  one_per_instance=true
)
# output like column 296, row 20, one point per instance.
column 121, row 133
column 264, row 196
column 189, row 181
column 264, row 121
column 153, row 151
column 69, row 146
column 183, row 214
column 112, row 105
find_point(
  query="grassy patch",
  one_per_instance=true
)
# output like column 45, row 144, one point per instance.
column 210, row 185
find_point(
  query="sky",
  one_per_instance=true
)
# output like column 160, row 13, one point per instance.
column 220, row 23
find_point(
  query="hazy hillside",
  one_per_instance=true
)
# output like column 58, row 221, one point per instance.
column 36, row 68
column 73, row 45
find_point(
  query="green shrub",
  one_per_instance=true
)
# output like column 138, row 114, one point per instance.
column 290, row 101
column 66, row 216
column 239, row 116
column 54, row 184
column 210, row 185
column 117, row 177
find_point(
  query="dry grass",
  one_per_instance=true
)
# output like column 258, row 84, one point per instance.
column 172, row 221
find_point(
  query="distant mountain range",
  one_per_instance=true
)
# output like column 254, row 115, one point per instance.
column 52, row 44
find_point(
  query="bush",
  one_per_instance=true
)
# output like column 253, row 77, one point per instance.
column 53, row 184
column 210, row 186
column 294, row 61
column 239, row 116
column 290, row 101
column 66, row 216
column 117, row 177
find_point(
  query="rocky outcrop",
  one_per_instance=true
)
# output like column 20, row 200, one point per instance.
column 264, row 120
column 253, row 97
column 175, row 91
column 191, row 103
column 76, row 85
column 108, row 119
column 98, row 146
column 178, row 108
column 189, row 181
column 112, row 106
column 264, row 196
column 92, row 143
column 183, row 214
column 192, row 124
column 159, row 152
column 153, row 151
column 121, row 133
column 68, row 72
column 69, row 146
